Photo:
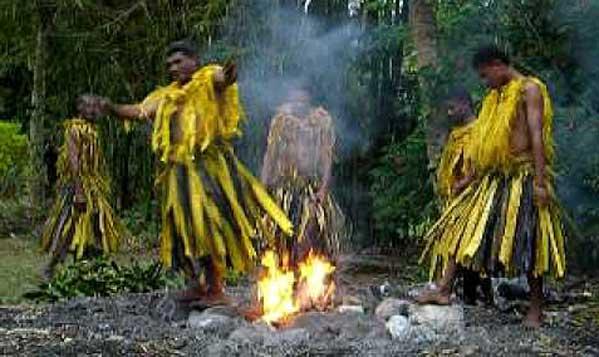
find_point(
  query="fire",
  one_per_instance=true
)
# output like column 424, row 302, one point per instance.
column 275, row 290
column 316, row 286
column 283, row 292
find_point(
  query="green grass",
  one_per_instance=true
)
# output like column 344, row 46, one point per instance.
column 20, row 266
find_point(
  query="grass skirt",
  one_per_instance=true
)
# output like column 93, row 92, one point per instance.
column 96, row 227
column 319, row 226
column 211, row 207
column 494, row 227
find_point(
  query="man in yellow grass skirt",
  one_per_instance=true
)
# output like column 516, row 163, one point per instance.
column 453, row 175
column 297, row 169
column 81, row 219
column 211, row 202
column 508, row 219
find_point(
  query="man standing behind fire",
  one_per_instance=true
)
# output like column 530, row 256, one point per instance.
column 297, row 169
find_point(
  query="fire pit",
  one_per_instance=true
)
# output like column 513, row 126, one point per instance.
column 283, row 292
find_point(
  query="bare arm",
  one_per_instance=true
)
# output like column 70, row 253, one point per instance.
column 534, row 119
column 326, row 155
column 462, row 182
column 271, row 150
column 144, row 111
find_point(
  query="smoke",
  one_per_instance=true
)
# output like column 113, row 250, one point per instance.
column 287, row 46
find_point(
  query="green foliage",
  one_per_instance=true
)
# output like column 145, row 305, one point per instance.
column 232, row 277
column 101, row 277
column 13, row 158
column 142, row 221
column 403, row 199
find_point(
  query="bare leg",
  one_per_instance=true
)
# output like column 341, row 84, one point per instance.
column 442, row 294
column 471, row 283
column 216, row 286
column 49, row 269
column 196, row 284
column 534, row 317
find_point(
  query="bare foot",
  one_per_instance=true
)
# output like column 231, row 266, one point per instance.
column 190, row 294
column 534, row 318
column 217, row 298
column 251, row 314
column 47, row 273
column 433, row 296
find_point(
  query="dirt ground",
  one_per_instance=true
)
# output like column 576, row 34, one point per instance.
column 140, row 325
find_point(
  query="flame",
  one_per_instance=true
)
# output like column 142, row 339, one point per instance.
column 315, row 282
column 282, row 294
column 275, row 290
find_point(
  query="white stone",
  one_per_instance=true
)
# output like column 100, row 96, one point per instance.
column 433, row 322
column 218, row 324
column 351, row 308
column 398, row 327
column 390, row 307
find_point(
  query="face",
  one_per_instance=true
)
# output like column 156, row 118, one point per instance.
column 494, row 74
column 457, row 110
column 299, row 100
column 181, row 67
column 87, row 108
column 299, row 97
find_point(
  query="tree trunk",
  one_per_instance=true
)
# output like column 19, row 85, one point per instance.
column 37, row 134
column 424, row 34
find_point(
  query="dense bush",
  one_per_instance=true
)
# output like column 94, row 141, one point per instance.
column 402, row 194
column 13, row 157
column 102, row 277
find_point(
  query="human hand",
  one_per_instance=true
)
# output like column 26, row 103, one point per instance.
column 541, row 194
column 79, row 200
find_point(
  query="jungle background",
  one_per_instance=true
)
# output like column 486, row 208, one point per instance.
column 380, row 67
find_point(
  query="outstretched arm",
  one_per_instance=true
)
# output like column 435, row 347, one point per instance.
column 534, row 118
column 144, row 111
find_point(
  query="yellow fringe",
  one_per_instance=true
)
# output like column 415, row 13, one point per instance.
column 453, row 153
column 490, row 147
column 203, row 115
column 95, row 184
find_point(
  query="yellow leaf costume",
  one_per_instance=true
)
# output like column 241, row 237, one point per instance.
column 298, row 146
column 211, row 202
column 494, row 225
column 97, row 226
column 454, row 162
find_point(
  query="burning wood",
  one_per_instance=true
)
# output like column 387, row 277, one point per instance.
column 283, row 292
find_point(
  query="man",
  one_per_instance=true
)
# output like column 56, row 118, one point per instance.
column 508, row 220
column 297, row 169
column 453, row 175
column 453, row 166
column 81, row 220
column 211, row 202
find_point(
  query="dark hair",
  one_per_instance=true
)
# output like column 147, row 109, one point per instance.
column 487, row 54
column 187, row 47
column 458, row 94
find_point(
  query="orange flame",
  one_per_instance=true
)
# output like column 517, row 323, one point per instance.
column 281, row 295
column 275, row 290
